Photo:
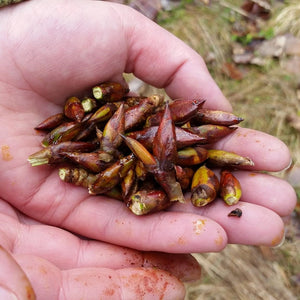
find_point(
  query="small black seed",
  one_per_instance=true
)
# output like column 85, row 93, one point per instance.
column 235, row 213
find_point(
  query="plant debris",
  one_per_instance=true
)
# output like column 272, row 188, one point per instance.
column 145, row 151
column 235, row 213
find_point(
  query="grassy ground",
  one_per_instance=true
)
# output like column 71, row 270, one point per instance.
column 265, row 96
column 265, row 93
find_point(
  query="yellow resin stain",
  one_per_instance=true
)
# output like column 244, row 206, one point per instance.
column 252, row 174
column 241, row 134
column 6, row 156
column 181, row 241
column 219, row 240
column 198, row 226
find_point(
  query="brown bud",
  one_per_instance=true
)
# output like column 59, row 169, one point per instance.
column 204, row 188
column 144, row 202
column 141, row 153
column 164, row 144
column 128, row 184
column 111, row 137
column 63, row 133
column 110, row 91
column 77, row 176
column 223, row 158
column 216, row 117
column 184, row 176
column 51, row 122
column 132, row 100
column 94, row 161
column 73, row 109
column 111, row 176
column 137, row 114
column 184, row 138
column 114, row 193
column 181, row 110
column 230, row 188
column 144, row 136
column 87, row 130
column 212, row 133
column 104, row 113
column 140, row 170
column 191, row 156
column 56, row 153
column 167, row 180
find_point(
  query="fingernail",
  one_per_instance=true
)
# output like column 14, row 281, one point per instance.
column 289, row 165
column 7, row 294
column 280, row 244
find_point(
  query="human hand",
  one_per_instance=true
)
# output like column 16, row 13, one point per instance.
column 59, row 264
column 52, row 51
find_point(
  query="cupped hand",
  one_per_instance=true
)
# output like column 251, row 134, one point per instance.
column 50, row 51
column 61, row 265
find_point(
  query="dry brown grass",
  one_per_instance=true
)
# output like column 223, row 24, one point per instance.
column 248, row 272
column 241, row 272
column 288, row 19
column 265, row 93
column 264, row 97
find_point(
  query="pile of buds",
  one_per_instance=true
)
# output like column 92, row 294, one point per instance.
column 144, row 151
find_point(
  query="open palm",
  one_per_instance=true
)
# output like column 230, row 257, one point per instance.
column 51, row 51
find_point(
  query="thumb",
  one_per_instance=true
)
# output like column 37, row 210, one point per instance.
column 14, row 284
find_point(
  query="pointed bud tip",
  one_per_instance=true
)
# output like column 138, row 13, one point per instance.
column 199, row 102
column 250, row 162
column 91, row 191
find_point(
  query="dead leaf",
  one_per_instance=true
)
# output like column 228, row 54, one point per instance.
column 267, row 252
column 257, row 8
column 232, row 71
column 263, row 3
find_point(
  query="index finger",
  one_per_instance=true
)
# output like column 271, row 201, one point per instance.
column 161, row 59
column 86, row 47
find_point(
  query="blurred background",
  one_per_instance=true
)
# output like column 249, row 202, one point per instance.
column 252, row 49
